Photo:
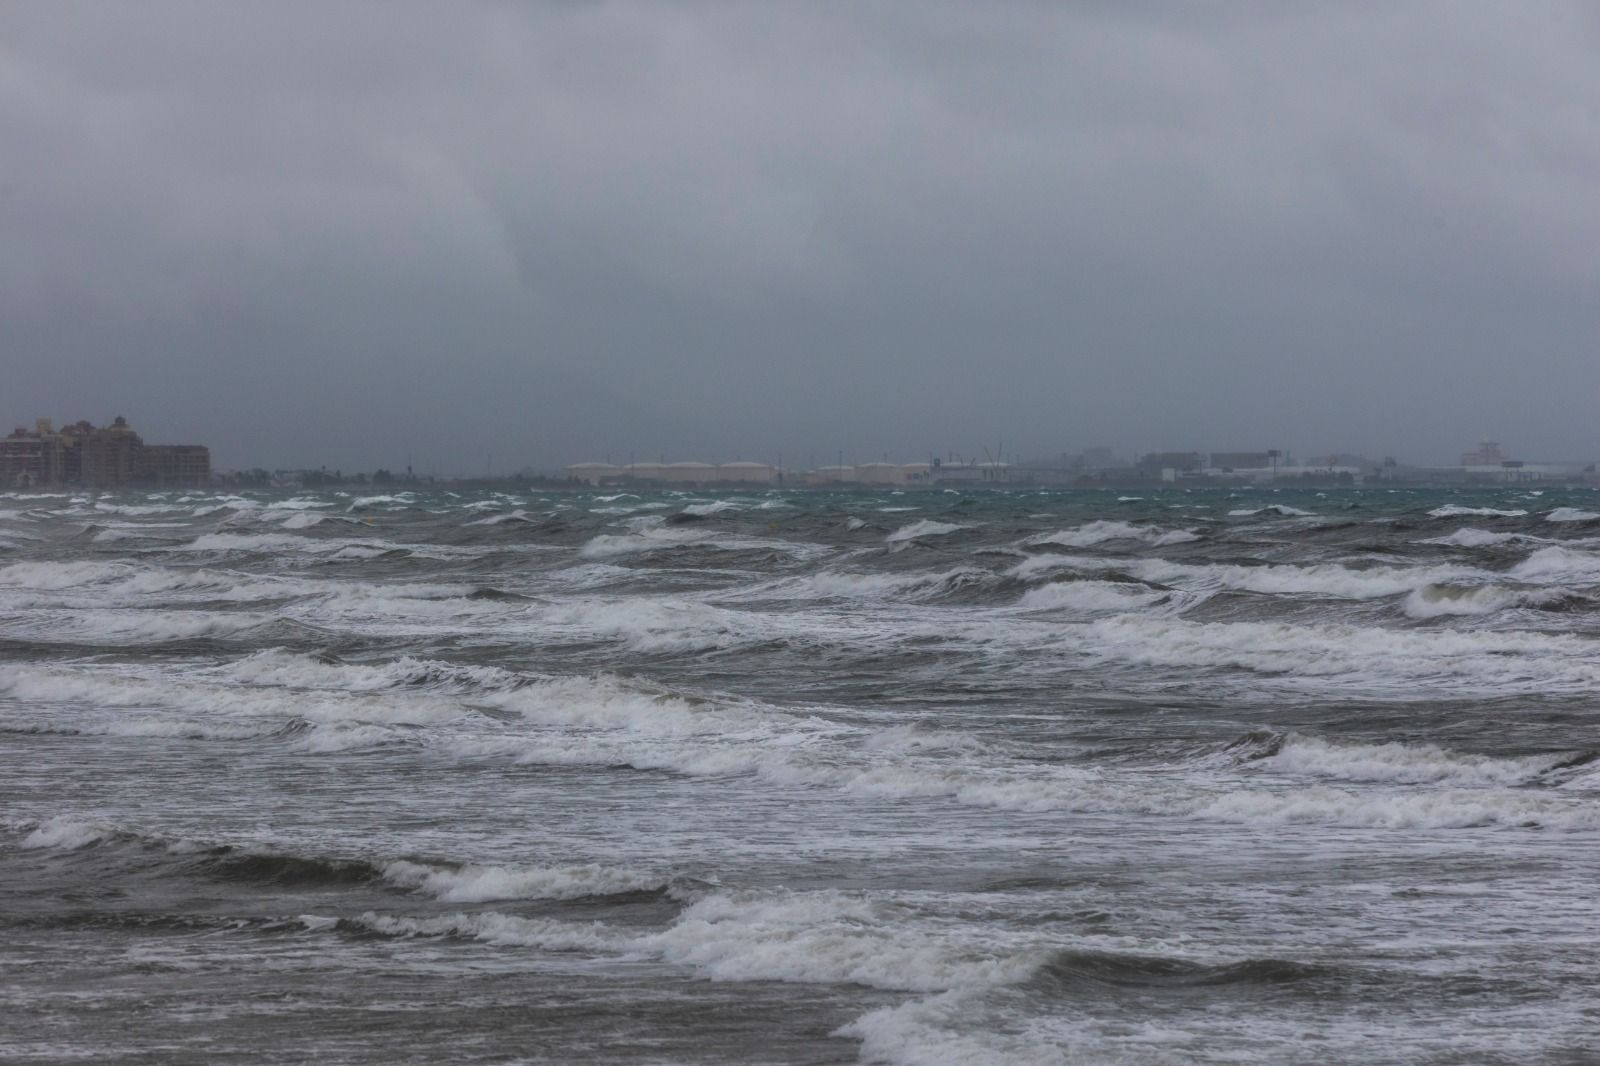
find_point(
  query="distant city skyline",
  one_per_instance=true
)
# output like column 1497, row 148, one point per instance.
column 505, row 463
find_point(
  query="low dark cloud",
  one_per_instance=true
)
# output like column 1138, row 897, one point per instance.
column 314, row 233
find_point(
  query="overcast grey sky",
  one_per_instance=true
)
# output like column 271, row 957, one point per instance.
column 339, row 232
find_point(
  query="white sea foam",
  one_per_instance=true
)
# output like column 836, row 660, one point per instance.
column 479, row 884
column 1559, row 564
column 834, row 583
column 657, row 625
column 827, row 938
column 1435, row 601
column 1444, row 809
column 299, row 503
column 1089, row 596
column 376, row 608
column 67, row 834
column 404, row 499
column 499, row 519
column 289, row 543
column 1322, row 579
column 1409, row 663
column 655, row 537
column 1098, row 532
column 260, row 542
column 712, row 507
column 917, row 738
column 798, row 937
column 490, row 928
column 1101, row 531
column 1409, row 764
column 926, row 527
column 287, row 669
column 336, row 738
column 1036, row 565
column 1571, row 514
column 1469, row 537
column 898, row 774
column 1282, row 510
column 1452, row 510
column 934, row 1031
column 128, row 531
column 100, row 584
column 50, row 575
column 135, row 509
column 214, row 707
column 132, row 627
column 162, row 725
column 841, row 584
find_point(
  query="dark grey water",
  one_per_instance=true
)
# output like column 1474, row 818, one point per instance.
column 801, row 778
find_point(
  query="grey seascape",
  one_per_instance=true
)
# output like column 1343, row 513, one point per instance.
column 800, row 777
column 679, row 533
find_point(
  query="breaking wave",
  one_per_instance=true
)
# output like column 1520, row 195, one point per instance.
column 1099, row 532
column 1452, row 510
column 927, row 527
column 1282, row 510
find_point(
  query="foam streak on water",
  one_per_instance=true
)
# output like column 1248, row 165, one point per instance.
column 942, row 777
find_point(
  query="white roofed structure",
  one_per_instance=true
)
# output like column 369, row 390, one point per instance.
column 880, row 473
column 644, row 471
column 689, row 472
column 748, row 472
column 823, row 475
column 593, row 473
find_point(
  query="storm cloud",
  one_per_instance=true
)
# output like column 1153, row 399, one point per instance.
column 518, row 234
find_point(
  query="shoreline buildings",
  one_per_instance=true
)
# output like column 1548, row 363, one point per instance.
column 1486, row 465
column 97, row 457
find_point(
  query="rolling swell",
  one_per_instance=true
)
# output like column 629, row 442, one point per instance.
column 1074, row 973
column 111, row 856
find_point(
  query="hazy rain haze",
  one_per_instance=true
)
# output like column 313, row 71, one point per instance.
column 344, row 234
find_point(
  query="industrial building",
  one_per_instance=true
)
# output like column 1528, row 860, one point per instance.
column 682, row 473
column 594, row 473
column 883, row 474
column 688, row 473
column 749, row 473
column 1230, row 461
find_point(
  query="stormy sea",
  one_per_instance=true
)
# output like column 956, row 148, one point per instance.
column 1200, row 776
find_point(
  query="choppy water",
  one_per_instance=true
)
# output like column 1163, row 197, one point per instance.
column 801, row 778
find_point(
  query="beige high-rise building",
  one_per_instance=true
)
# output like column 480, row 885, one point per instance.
column 108, row 457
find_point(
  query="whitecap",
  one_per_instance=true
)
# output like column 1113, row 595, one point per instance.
column 1571, row 514
column 1452, row 510
column 474, row 883
column 1280, row 509
column 927, row 527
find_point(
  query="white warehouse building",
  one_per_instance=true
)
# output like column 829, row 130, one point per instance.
column 688, row 473
column 593, row 473
column 749, row 473
column 880, row 473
